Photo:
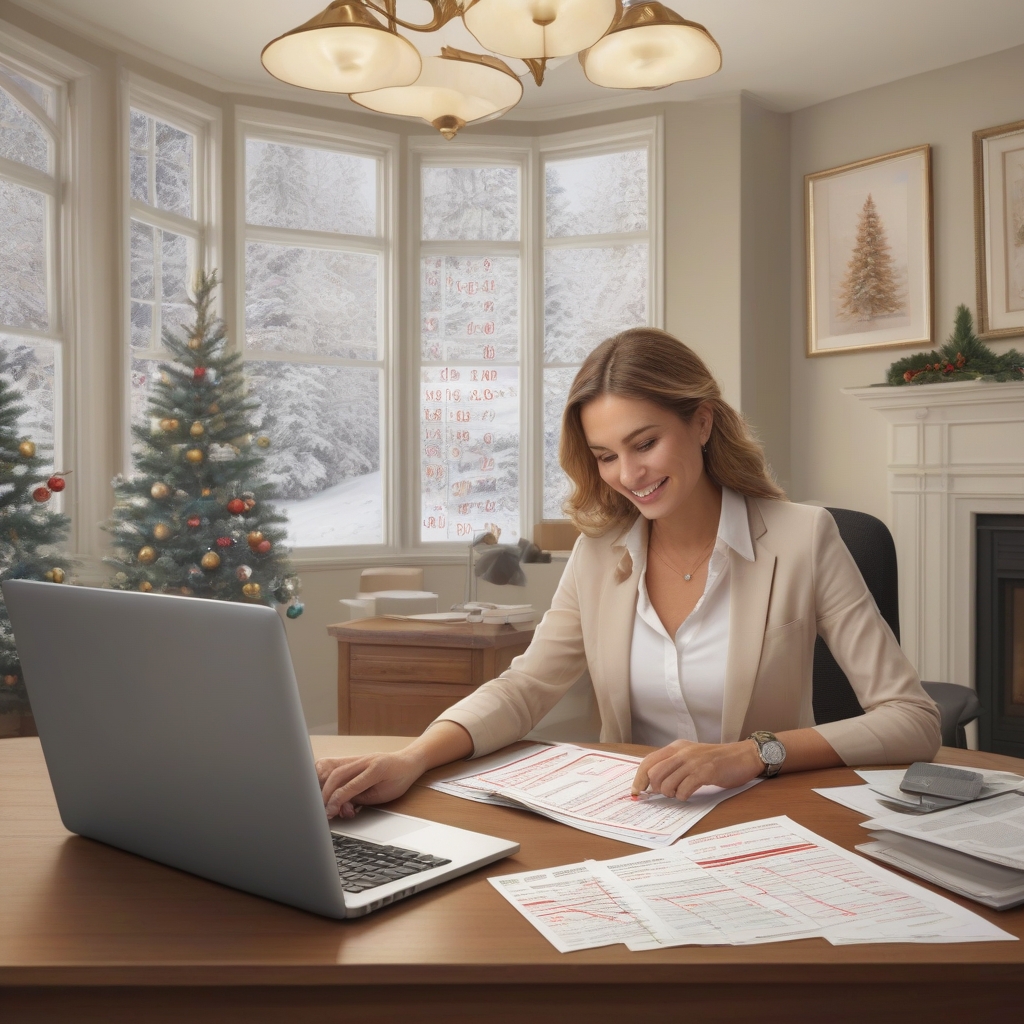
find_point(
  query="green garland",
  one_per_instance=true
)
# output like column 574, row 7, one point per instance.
column 963, row 357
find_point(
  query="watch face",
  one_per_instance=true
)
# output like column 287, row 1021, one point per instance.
column 773, row 752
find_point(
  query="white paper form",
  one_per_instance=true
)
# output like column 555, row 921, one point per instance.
column 698, row 907
column 849, row 899
column 575, row 909
column 589, row 790
column 990, row 829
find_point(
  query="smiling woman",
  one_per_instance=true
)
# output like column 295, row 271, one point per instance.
column 705, row 649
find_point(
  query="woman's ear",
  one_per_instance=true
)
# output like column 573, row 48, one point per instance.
column 705, row 421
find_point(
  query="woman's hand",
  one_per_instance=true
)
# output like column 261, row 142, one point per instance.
column 365, row 779
column 347, row 782
column 681, row 768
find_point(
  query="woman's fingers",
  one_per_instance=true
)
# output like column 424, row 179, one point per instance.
column 643, row 777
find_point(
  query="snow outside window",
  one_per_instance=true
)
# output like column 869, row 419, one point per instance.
column 165, row 240
column 315, row 289
column 470, row 288
column 597, row 270
column 30, row 314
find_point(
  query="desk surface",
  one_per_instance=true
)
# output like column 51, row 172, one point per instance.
column 76, row 914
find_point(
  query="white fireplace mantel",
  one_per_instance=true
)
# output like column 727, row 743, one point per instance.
column 955, row 451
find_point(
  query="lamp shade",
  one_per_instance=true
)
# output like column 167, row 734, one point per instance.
column 539, row 28
column 344, row 48
column 453, row 90
column 650, row 47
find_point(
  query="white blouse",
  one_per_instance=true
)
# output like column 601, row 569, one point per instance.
column 676, row 685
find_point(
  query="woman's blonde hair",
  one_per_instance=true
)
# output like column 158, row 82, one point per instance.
column 651, row 365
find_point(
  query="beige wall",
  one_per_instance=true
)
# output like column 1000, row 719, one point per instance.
column 837, row 444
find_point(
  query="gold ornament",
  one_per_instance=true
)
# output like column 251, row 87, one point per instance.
column 161, row 531
column 169, row 425
column 213, row 409
column 147, row 555
column 159, row 490
column 197, row 429
column 263, row 441
column 10, row 680
column 254, row 538
column 145, row 586
column 27, row 449
column 186, row 591
column 194, row 455
column 195, row 343
column 252, row 591
column 206, row 492
column 210, row 561
column 56, row 574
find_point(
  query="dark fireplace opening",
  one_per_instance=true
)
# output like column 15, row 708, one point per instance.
column 999, row 633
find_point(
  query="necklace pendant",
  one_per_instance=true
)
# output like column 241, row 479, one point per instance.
column 688, row 576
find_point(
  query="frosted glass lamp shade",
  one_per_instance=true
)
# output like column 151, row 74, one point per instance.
column 343, row 49
column 453, row 90
column 650, row 47
column 539, row 28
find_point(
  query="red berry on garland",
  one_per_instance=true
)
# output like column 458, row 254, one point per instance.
column 199, row 373
column 224, row 542
column 236, row 506
column 263, row 547
column 56, row 483
column 194, row 522
column 41, row 494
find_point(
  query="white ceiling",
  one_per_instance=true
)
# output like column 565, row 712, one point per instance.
column 788, row 53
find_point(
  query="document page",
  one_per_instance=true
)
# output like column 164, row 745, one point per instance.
column 990, row 829
column 768, row 880
column 589, row 790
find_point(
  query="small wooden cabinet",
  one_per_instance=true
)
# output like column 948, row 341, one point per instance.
column 395, row 676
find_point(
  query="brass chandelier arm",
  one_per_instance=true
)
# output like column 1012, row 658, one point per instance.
column 537, row 66
column 444, row 11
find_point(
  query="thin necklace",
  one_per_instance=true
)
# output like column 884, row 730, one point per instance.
column 687, row 576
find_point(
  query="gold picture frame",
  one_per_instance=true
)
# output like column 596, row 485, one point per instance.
column 869, row 253
column 999, row 229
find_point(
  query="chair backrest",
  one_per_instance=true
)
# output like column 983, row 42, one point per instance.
column 873, row 550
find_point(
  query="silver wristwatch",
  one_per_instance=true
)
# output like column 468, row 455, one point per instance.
column 771, row 751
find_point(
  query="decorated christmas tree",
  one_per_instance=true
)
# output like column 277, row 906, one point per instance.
column 29, row 529
column 870, row 287
column 196, row 517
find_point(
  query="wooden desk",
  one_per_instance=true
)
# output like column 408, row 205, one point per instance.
column 395, row 676
column 88, row 933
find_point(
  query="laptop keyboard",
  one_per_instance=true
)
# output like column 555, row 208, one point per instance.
column 363, row 865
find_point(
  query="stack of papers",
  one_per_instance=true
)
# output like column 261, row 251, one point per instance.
column 993, row 885
column 763, row 881
column 586, row 789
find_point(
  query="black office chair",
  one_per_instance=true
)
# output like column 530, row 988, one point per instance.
column 873, row 550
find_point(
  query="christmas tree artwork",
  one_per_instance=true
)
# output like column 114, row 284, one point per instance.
column 870, row 288
column 29, row 529
column 196, row 517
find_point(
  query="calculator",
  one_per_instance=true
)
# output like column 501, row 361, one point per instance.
column 939, row 780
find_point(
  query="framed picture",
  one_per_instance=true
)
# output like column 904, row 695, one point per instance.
column 999, row 229
column 869, row 253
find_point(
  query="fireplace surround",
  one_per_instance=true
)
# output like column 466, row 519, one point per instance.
column 955, row 455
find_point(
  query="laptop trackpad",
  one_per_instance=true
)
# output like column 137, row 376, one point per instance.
column 380, row 826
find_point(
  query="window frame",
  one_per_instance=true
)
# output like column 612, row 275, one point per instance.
column 68, row 221
column 484, row 152
column 616, row 138
column 299, row 130
column 204, row 123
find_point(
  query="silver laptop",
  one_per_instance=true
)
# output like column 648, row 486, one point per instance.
column 172, row 728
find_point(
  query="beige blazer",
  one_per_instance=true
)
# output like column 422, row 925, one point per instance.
column 803, row 582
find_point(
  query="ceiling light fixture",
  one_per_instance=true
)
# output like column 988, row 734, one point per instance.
column 650, row 47
column 354, row 47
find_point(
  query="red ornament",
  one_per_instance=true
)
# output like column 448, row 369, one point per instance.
column 199, row 373
column 194, row 522
column 56, row 483
column 263, row 547
column 41, row 494
column 236, row 506
column 224, row 542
